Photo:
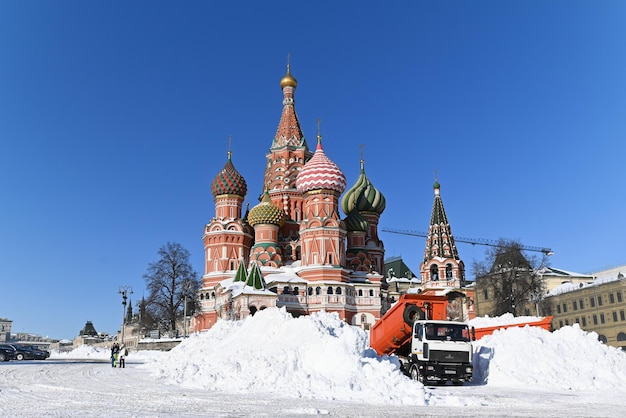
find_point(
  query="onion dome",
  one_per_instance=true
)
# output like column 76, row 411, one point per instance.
column 355, row 222
column 363, row 196
column 266, row 213
column 320, row 173
column 288, row 80
column 229, row 181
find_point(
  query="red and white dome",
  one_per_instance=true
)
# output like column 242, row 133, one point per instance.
column 320, row 173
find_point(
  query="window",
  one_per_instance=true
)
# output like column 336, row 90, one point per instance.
column 286, row 290
column 622, row 316
column 576, row 320
column 584, row 323
column 318, row 290
column 560, row 324
column 558, row 309
column 564, row 307
column 614, row 316
column 611, row 298
column 619, row 296
column 338, row 291
column 582, row 304
column 329, row 290
column 599, row 300
column 296, row 290
column 360, row 292
column 567, row 322
column 310, row 291
column 486, row 294
column 371, row 292
column 595, row 320
column 592, row 302
column 575, row 306
column 602, row 318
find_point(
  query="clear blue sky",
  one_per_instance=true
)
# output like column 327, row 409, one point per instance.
column 114, row 119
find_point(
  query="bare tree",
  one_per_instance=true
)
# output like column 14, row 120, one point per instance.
column 510, row 277
column 170, row 281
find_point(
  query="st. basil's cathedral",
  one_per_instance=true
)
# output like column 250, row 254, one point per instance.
column 293, row 249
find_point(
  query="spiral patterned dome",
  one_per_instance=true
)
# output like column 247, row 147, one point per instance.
column 229, row 181
column 266, row 213
column 356, row 222
column 363, row 196
column 320, row 172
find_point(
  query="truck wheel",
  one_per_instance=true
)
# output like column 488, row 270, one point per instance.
column 415, row 374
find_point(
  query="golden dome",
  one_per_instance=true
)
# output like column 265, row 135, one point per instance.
column 288, row 80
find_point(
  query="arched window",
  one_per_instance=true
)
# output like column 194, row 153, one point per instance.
column 338, row 291
column 296, row 290
column 310, row 291
column 318, row 290
column 364, row 319
column 330, row 290
column 602, row 339
column 448, row 271
column 252, row 310
column 371, row 292
column 433, row 273
column 286, row 290
column 621, row 336
column 360, row 292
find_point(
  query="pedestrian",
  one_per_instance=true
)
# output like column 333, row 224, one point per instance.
column 115, row 349
column 121, row 359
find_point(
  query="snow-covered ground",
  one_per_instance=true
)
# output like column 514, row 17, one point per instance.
column 276, row 366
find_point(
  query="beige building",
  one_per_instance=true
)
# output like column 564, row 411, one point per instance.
column 5, row 329
column 598, row 305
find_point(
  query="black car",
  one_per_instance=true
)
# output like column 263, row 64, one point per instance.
column 38, row 353
column 7, row 352
column 22, row 353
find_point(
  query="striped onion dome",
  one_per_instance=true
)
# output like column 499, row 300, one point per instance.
column 320, row 173
column 229, row 181
column 363, row 196
column 356, row 222
column 266, row 212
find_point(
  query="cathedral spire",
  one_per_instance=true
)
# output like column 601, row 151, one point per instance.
column 441, row 258
column 289, row 132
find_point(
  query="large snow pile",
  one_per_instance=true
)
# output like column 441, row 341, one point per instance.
column 321, row 357
column 531, row 357
column 317, row 356
column 82, row 352
column 506, row 319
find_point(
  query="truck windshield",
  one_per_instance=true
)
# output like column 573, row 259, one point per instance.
column 447, row 332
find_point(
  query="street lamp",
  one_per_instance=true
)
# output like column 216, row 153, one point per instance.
column 124, row 291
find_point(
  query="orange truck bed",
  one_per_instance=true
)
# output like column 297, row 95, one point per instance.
column 544, row 323
column 394, row 329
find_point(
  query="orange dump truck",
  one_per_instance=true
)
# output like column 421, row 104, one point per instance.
column 430, row 348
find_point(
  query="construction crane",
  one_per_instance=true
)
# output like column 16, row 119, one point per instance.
column 473, row 241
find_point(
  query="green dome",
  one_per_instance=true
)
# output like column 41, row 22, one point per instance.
column 363, row 196
column 356, row 222
column 266, row 213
